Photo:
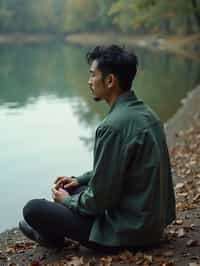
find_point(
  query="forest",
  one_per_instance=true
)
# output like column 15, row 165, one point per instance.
column 72, row 16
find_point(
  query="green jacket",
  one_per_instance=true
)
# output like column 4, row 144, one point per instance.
column 130, row 191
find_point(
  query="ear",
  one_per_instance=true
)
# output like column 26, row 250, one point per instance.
column 110, row 80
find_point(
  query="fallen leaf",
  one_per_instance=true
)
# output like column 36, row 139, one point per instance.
column 42, row 257
column 139, row 262
column 10, row 250
column 34, row 263
column 169, row 253
column 148, row 258
column 3, row 257
column 192, row 226
column 168, row 263
column 164, row 262
column 106, row 261
column 186, row 254
column 181, row 232
column 179, row 185
column 128, row 256
column 192, row 243
column 196, row 198
column 194, row 264
column 172, row 233
column 179, row 222
column 183, row 194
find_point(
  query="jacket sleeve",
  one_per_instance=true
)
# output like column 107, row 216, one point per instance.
column 85, row 178
column 105, row 185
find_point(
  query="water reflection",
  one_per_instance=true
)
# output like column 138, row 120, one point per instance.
column 38, row 143
column 31, row 71
column 164, row 80
column 60, row 71
column 27, row 72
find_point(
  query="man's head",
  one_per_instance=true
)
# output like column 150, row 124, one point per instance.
column 112, row 69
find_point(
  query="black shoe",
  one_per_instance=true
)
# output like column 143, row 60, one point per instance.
column 28, row 231
column 32, row 234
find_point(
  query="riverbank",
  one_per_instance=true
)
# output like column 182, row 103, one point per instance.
column 182, row 244
column 187, row 46
column 26, row 38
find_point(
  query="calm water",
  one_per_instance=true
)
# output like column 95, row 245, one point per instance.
column 47, row 117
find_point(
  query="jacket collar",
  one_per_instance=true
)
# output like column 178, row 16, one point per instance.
column 124, row 97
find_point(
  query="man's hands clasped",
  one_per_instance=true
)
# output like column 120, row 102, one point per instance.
column 61, row 185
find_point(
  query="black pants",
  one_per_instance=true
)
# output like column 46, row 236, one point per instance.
column 54, row 222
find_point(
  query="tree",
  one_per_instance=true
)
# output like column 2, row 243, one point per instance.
column 104, row 20
column 80, row 15
column 90, row 15
column 196, row 11
column 155, row 13
column 123, row 13
column 5, row 15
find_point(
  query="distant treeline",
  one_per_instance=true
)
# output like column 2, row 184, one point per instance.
column 66, row 16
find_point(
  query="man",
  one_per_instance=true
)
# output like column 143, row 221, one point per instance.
column 127, row 199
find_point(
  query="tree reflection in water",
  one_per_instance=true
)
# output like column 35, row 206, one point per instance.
column 60, row 71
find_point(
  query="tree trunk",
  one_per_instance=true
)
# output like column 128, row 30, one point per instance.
column 196, row 12
column 188, row 25
column 165, row 26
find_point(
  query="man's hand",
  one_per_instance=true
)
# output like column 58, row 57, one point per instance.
column 66, row 182
column 59, row 194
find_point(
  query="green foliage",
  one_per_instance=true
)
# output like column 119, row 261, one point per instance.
column 104, row 20
column 90, row 15
column 152, row 13
column 80, row 14
column 123, row 14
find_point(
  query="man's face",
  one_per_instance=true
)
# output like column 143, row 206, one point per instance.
column 96, row 82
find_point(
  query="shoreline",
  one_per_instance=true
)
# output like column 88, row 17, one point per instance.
column 187, row 46
column 184, row 116
column 28, row 38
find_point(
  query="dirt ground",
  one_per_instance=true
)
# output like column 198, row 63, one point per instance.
column 181, row 245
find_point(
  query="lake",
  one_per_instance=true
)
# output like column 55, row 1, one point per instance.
column 48, row 118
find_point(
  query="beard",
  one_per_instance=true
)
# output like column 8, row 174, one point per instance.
column 96, row 99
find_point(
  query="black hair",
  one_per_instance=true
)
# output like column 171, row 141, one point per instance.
column 116, row 60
